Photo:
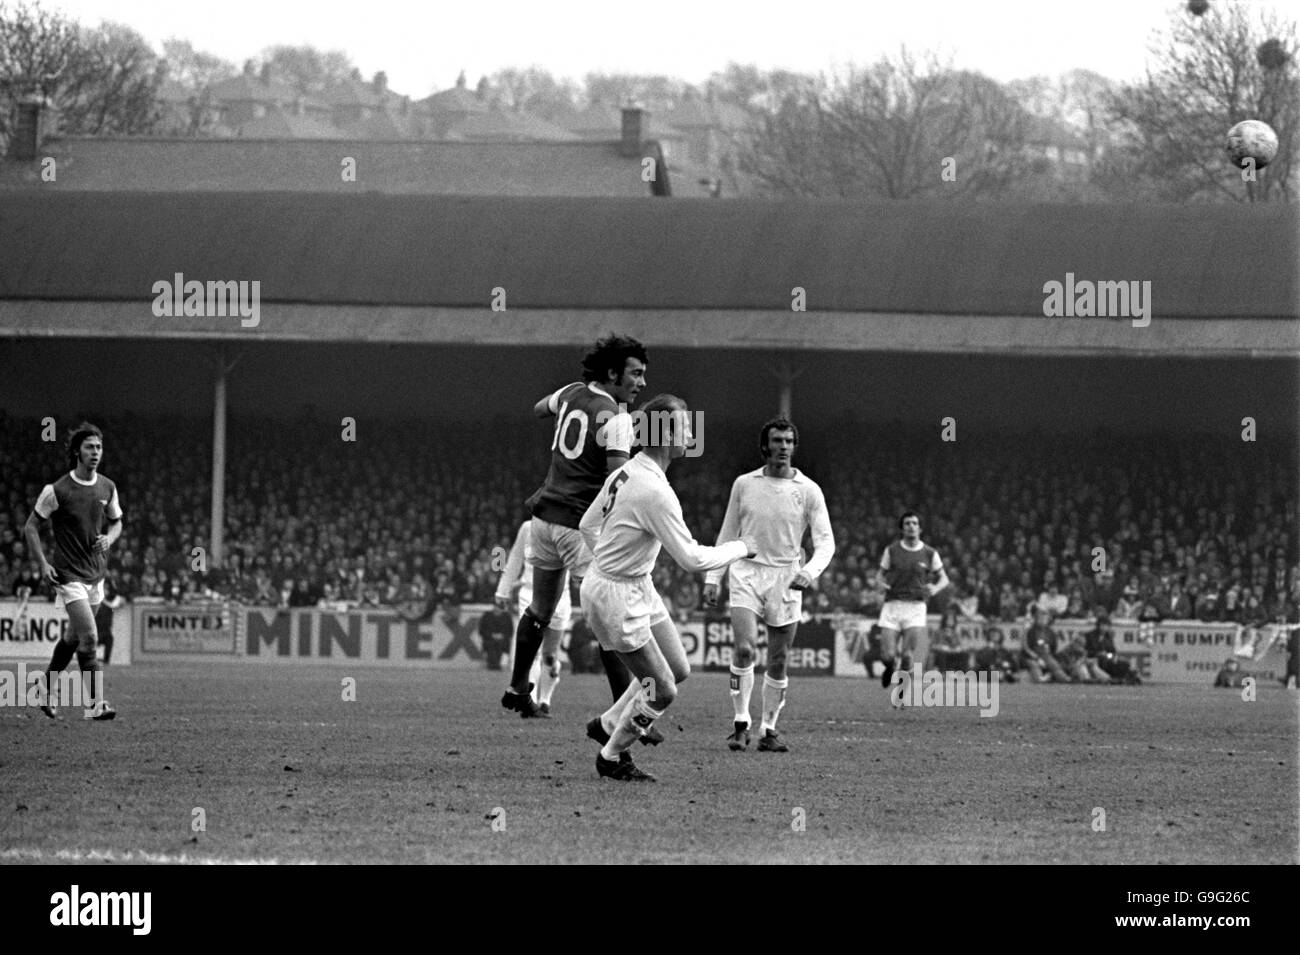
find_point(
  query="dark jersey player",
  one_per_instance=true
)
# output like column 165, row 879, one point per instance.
column 83, row 508
column 592, row 437
column 906, row 567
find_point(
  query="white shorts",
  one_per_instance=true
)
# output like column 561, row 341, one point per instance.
column 561, row 619
column 902, row 614
column 766, row 591
column 621, row 610
column 556, row 547
column 72, row 592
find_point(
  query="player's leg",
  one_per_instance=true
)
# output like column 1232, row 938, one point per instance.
column 547, row 586
column 783, row 609
column 549, row 677
column 744, row 633
column 656, row 688
column 59, row 660
column 81, row 619
column 909, row 640
column 888, row 651
column 746, row 605
column 776, row 680
column 104, row 626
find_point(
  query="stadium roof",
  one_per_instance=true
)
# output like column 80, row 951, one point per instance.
column 1211, row 261
column 399, row 166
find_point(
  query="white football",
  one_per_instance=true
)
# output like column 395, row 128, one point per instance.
column 1251, row 139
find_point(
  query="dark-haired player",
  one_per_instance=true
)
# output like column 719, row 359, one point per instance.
column 86, row 515
column 772, row 506
column 592, row 438
column 906, row 567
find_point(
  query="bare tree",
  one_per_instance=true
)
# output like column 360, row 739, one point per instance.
column 1209, row 72
column 533, row 90
column 309, row 70
column 890, row 130
column 101, row 80
column 111, row 86
column 195, row 69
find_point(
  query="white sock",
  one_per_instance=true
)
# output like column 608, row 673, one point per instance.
column 742, row 687
column 612, row 717
column 773, row 701
column 640, row 716
column 535, row 676
column 547, row 683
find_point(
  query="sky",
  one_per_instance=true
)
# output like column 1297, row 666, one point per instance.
column 423, row 45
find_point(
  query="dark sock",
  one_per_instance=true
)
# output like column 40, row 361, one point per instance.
column 616, row 671
column 58, row 663
column 528, row 640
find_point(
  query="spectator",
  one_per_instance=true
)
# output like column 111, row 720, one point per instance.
column 994, row 656
column 946, row 652
column 1036, row 655
column 1099, row 645
column 495, row 631
column 583, row 650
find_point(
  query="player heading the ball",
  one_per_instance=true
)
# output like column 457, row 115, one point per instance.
column 583, row 452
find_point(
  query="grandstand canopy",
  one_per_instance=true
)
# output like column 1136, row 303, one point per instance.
column 939, row 276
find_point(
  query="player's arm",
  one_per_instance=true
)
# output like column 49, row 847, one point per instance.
column 880, row 580
column 46, row 505
column 592, row 518
column 615, row 436
column 823, row 540
column 730, row 531
column 941, row 581
column 549, row 405
column 512, row 571
column 664, row 519
column 104, row 541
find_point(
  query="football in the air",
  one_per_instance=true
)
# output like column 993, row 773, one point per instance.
column 1251, row 139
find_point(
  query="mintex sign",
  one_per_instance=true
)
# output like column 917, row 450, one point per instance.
column 185, row 630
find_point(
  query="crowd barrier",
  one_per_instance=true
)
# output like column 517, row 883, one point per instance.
column 831, row 645
column 30, row 628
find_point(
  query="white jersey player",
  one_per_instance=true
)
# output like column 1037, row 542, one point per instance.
column 517, row 581
column 636, row 514
column 772, row 506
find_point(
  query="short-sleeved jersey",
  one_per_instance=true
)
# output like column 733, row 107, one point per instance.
column 588, row 425
column 908, row 571
column 637, row 512
column 774, row 513
column 79, row 512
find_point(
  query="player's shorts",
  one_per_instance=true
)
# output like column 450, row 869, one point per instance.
column 766, row 591
column 556, row 547
column 621, row 610
column 561, row 617
column 76, row 590
column 902, row 614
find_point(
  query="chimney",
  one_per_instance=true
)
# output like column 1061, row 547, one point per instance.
column 25, row 141
column 381, row 83
column 636, row 122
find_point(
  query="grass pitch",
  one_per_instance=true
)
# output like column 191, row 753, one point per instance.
column 425, row 766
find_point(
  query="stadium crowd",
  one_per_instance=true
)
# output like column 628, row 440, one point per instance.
column 411, row 515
